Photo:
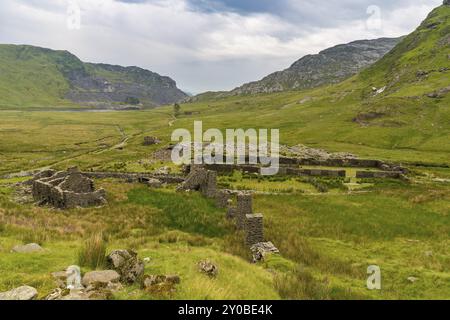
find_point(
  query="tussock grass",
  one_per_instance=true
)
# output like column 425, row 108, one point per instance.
column 93, row 252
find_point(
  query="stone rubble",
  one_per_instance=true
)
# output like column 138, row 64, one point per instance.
column 100, row 278
column 208, row 268
column 28, row 248
column 21, row 293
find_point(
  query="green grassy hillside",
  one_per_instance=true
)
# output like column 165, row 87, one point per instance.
column 29, row 76
column 327, row 238
column 398, row 108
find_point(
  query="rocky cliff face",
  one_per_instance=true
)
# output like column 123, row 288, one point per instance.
column 329, row 66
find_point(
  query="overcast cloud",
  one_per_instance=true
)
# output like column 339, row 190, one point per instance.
column 206, row 45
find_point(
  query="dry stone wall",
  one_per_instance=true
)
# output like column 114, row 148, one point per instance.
column 205, row 181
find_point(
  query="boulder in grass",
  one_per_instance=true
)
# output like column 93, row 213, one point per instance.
column 20, row 293
column 127, row 264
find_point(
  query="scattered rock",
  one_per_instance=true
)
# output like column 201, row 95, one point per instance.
column 163, row 170
column 262, row 249
column 127, row 264
column 20, row 293
column 439, row 93
column 304, row 152
column 69, row 278
column 73, row 278
column 28, row 248
column 208, row 268
column 428, row 253
column 98, row 292
column 66, row 190
column 154, row 183
column 100, row 278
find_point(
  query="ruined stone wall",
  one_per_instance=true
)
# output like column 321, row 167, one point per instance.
column 378, row 174
column 73, row 200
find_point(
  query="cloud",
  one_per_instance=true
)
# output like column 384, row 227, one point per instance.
column 204, row 45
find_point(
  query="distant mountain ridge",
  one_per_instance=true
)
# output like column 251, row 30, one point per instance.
column 330, row 66
column 49, row 76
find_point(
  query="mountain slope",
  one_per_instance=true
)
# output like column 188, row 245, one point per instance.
column 38, row 76
column 329, row 66
column 420, row 64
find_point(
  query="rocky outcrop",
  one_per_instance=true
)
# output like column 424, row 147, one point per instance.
column 20, row 293
column 127, row 264
column 262, row 249
column 133, row 86
column 208, row 268
column 27, row 248
column 100, row 278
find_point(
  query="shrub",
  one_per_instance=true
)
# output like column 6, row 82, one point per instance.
column 93, row 252
column 37, row 236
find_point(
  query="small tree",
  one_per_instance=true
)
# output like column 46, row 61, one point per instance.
column 176, row 109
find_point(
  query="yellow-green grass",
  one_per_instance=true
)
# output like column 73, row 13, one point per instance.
column 332, row 239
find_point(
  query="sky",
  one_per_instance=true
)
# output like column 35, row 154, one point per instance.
column 204, row 45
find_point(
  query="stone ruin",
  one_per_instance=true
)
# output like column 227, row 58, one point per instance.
column 149, row 141
column 66, row 189
column 244, row 207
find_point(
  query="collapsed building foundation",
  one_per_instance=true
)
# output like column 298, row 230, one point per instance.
column 66, row 189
